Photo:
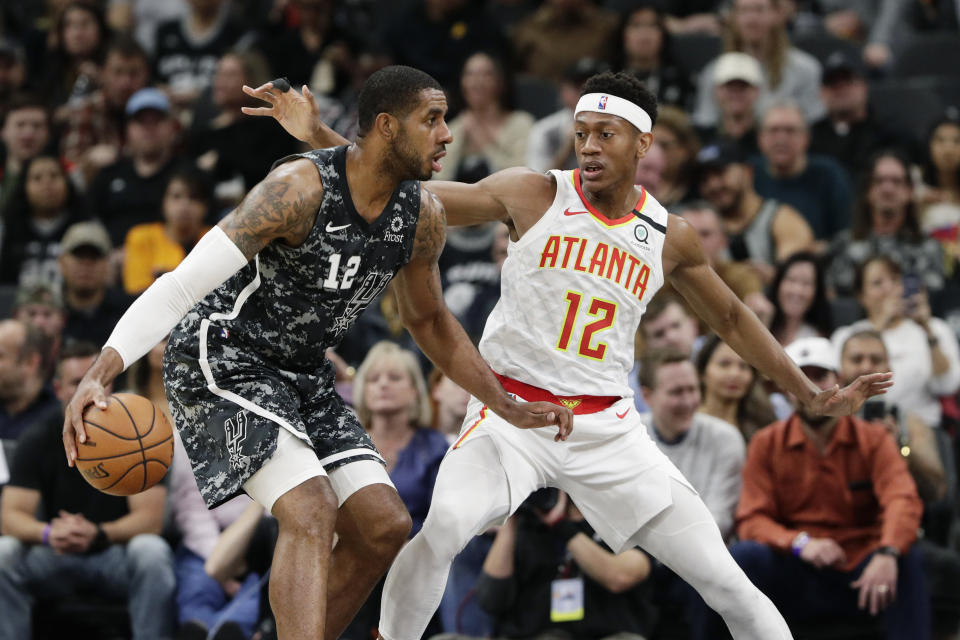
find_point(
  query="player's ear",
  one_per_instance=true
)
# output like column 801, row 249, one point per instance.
column 387, row 125
column 644, row 142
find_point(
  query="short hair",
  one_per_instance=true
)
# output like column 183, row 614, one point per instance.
column 869, row 334
column 626, row 86
column 127, row 47
column 198, row 182
column 658, row 304
column 860, row 274
column 75, row 349
column 784, row 103
column 694, row 205
column 35, row 341
column 394, row 90
column 420, row 413
column 651, row 363
column 25, row 100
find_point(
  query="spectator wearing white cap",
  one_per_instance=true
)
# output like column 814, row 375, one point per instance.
column 758, row 27
column 737, row 80
column 129, row 191
column 828, row 516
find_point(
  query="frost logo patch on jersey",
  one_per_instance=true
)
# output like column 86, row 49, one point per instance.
column 603, row 103
column 641, row 233
column 236, row 430
column 394, row 234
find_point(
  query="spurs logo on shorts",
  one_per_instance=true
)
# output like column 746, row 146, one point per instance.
column 236, row 430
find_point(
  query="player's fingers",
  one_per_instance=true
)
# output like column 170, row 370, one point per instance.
column 311, row 100
column 257, row 111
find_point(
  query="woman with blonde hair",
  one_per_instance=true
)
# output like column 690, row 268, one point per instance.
column 391, row 402
column 758, row 27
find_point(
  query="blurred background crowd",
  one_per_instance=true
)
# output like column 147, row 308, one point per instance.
column 814, row 145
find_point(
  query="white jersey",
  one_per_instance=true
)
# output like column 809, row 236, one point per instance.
column 573, row 289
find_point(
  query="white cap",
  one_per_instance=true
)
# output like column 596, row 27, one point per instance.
column 737, row 66
column 813, row 352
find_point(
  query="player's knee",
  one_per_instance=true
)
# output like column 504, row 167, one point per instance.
column 389, row 533
column 449, row 525
column 309, row 510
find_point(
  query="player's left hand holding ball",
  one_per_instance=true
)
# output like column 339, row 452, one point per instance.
column 533, row 415
column 848, row 400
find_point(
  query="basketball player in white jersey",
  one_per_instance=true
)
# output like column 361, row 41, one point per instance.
column 589, row 250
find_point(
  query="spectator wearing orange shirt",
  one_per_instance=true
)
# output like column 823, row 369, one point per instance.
column 153, row 248
column 828, row 516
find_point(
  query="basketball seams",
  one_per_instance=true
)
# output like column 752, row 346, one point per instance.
column 139, row 437
column 128, row 453
column 115, row 435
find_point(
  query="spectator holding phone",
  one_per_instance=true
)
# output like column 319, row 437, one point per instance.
column 923, row 351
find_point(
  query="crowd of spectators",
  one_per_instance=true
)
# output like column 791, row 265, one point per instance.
column 814, row 146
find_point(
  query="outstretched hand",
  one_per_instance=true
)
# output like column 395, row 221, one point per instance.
column 533, row 415
column 848, row 400
column 296, row 111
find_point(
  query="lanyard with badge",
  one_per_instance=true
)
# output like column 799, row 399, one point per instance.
column 566, row 593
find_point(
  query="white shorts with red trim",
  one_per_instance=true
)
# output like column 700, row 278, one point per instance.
column 609, row 466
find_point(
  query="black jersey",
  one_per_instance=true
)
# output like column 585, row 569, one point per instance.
column 291, row 303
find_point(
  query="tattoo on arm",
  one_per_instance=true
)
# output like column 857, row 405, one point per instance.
column 282, row 206
column 428, row 243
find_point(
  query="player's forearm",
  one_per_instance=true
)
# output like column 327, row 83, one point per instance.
column 742, row 330
column 447, row 345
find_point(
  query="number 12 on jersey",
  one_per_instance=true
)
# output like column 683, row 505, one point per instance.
column 604, row 310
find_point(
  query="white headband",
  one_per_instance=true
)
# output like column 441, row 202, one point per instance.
column 605, row 103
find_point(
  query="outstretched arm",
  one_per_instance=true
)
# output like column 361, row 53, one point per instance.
column 686, row 264
column 441, row 337
column 516, row 194
column 281, row 207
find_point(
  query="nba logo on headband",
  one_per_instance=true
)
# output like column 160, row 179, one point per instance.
column 603, row 103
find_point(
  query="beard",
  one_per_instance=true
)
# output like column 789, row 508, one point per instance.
column 406, row 161
column 814, row 422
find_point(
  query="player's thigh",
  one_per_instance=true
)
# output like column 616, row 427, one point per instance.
column 685, row 537
column 292, row 464
column 473, row 492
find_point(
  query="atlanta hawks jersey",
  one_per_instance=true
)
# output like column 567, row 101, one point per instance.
column 573, row 289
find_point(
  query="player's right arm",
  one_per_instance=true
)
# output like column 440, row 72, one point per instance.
column 516, row 196
column 283, row 206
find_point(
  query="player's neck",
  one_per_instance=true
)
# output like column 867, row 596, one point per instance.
column 615, row 201
column 371, row 180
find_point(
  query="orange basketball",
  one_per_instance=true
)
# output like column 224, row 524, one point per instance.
column 129, row 445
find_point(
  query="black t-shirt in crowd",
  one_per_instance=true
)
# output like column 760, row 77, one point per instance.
column 121, row 199
column 39, row 463
column 186, row 63
column 96, row 325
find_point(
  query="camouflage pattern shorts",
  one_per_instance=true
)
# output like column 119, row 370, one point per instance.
column 229, row 415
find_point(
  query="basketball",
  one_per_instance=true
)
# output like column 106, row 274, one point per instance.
column 129, row 445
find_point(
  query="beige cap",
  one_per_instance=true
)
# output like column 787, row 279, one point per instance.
column 737, row 66
column 86, row 234
column 813, row 352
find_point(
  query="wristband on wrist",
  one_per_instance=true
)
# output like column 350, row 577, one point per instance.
column 888, row 550
column 46, row 534
column 799, row 543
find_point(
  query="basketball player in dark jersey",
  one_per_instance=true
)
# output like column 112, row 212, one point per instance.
column 252, row 310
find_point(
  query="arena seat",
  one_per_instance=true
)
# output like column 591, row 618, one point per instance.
column 934, row 54
column 536, row 96
column 822, row 45
column 693, row 51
